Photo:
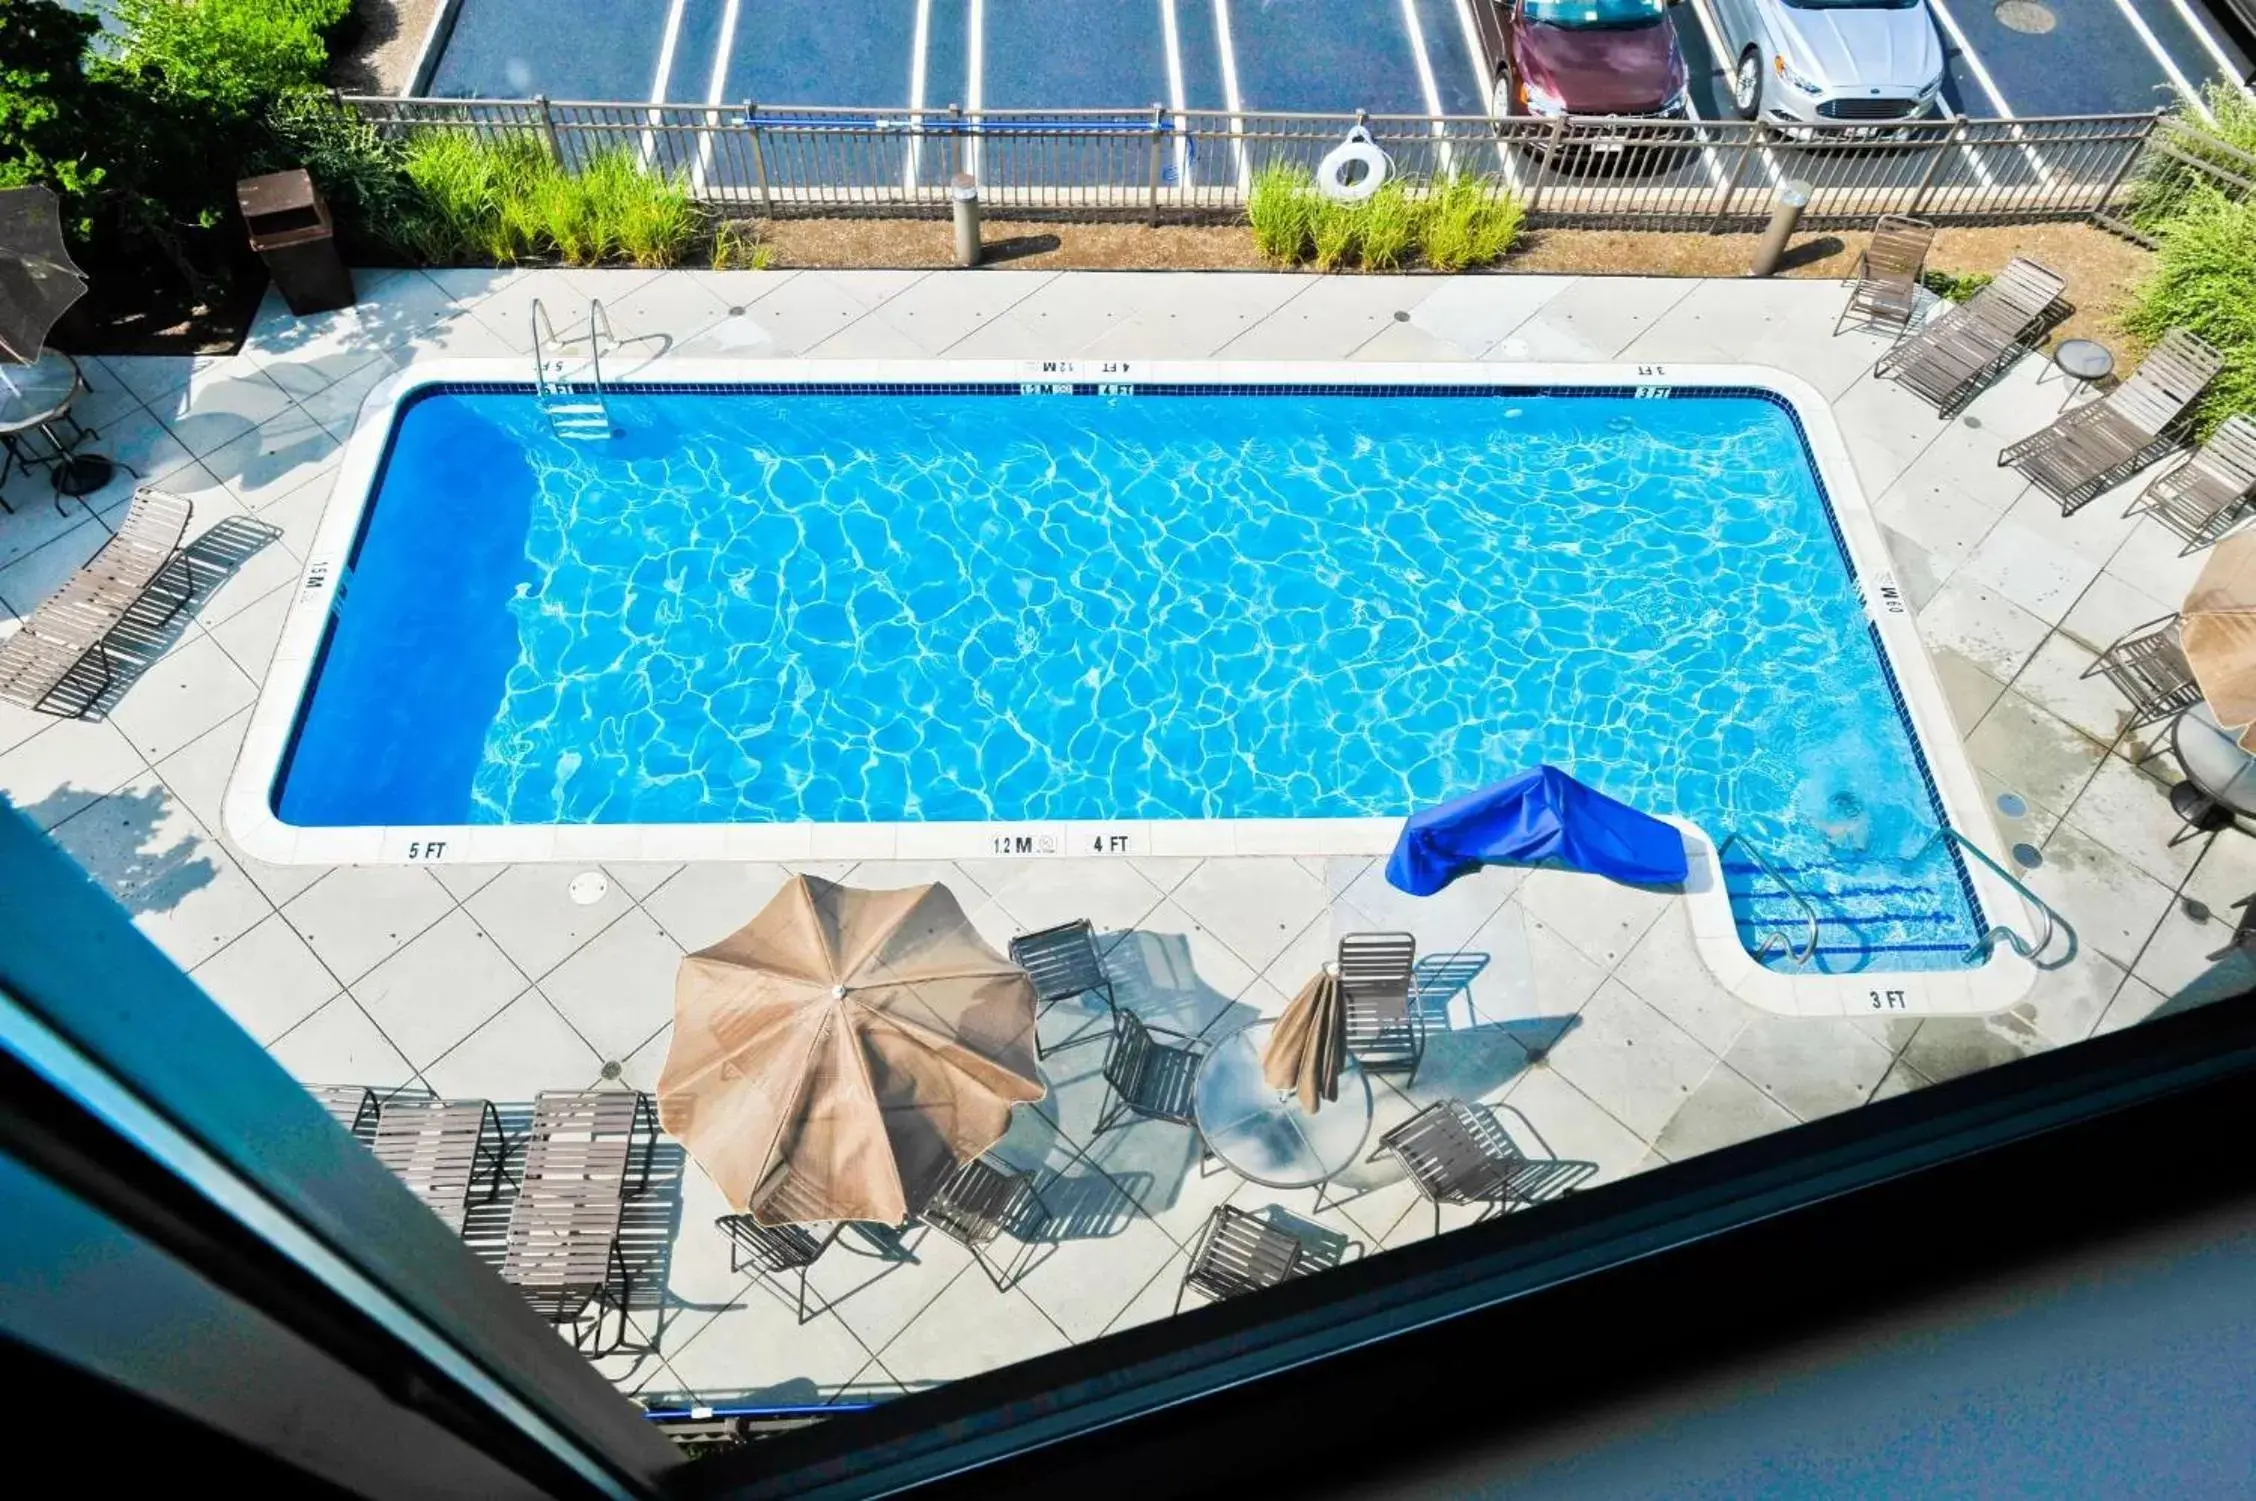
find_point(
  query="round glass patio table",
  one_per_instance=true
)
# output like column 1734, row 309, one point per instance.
column 1261, row 1133
column 2218, row 772
column 36, row 398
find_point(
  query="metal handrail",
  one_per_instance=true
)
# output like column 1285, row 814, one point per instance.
column 598, row 319
column 1808, row 950
column 544, row 334
column 2054, row 922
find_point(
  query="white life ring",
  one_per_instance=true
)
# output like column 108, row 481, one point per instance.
column 1331, row 173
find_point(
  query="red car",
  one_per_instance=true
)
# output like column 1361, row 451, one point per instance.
column 1584, row 57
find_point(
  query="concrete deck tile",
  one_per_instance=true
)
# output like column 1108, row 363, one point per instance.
column 338, row 1044
column 529, row 910
column 1724, row 1111
column 1811, row 1066
column 355, row 917
column 268, row 980
column 515, row 1054
column 2036, row 754
column 439, row 988
column 2114, row 905
column 1982, row 626
column 618, row 989
column 1635, row 1063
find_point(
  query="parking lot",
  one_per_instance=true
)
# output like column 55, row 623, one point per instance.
column 1386, row 56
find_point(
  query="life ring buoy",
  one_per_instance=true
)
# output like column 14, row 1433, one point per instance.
column 1332, row 179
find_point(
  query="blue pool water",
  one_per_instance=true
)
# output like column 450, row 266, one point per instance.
column 844, row 605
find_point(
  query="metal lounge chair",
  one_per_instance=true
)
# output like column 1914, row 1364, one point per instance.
column 2207, row 495
column 1063, row 963
column 977, row 1203
column 1952, row 356
column 2101, row 443
column 352, row 1106
column 1149, row 1078
column 74, row 623
column 1237, row 1253
column 775, row 1251
column 1456, row 1154
column 439, row 1149
column 2148, row 666
column 1885, row 292
column 1384, row 1028
column 562, row 1250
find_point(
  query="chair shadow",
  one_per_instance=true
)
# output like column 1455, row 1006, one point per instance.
column 159, row 618
column 1321, row 1247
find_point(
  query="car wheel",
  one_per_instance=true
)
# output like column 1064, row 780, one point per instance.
column 1500, row 103
column 1747, row 85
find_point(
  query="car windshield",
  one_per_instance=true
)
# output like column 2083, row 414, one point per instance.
column 1592, row 13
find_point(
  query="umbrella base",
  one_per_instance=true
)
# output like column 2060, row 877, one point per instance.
column 82, row 474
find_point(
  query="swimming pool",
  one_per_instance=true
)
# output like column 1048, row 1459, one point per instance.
column 1085, row 614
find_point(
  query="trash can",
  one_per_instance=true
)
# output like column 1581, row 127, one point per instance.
column 290, row 229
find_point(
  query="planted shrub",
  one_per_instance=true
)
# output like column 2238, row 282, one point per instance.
column 1955, row 286
column 506, row 199
column 236, row 56
column 1334, row 232
column 2204, row 280
column 1463, row 224
column 1390, row 227
column 737, row 247
column 1280, row 208
column 1459, row 222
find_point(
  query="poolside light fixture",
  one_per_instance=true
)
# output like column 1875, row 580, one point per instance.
column 843, row 1052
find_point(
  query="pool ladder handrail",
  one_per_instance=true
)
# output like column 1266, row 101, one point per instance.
column 1774, row 938
column 572, row 412
column 2054, row 922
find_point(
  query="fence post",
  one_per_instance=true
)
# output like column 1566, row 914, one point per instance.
column 1750, row 141
column 759, row 158
column 548, row 129
column 1158, row 149
column 959, row 153
column 1543, row 163
column 2131, row 158
column 1955, row 138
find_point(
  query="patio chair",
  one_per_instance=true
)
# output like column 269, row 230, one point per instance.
column 352, row 1106
column 1885, row 292
column 1063, row 963
column 2244, row 931
column 775, row 1251
column 76, row 621
column 1948, row 359
column 439, row 1148
column 1237, row 1252
column 2207, row 495
column 977, row 1203
column 562, row 1249
column 1150, row 1079
column 1385, row 1030
column 2148, row 666
column 2088, row 448
column 1456, row 1154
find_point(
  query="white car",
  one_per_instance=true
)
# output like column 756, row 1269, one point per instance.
column 1801, row 62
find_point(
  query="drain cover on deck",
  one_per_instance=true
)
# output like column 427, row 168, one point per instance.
column 589, row 887
column 2027, row 856
column 2033, row 17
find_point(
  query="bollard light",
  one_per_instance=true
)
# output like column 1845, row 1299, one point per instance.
column 964, row 190
column 1786, row 207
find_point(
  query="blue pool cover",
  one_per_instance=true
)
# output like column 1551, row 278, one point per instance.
column 1542, row 814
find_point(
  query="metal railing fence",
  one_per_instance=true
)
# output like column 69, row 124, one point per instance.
column 2121, row 171
column 1160, row 163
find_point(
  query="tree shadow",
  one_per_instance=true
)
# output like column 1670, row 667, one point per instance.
column 115, row 838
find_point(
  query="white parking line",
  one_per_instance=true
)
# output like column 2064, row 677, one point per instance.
column 2178, row 80
column 975, row 90
column 1714, row 34
column 663, row 75
column 1426, row 83
column 919, row 44
column 1230, row 95
column 1981, row 72
column 1973, row 157
column 2199, row 26
column 1171, row 28
column 1484, row 85
column 723, row 48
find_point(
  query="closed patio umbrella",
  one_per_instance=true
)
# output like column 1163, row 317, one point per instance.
column 836, row 1057
column 2219, row 634
column 38, row 282
column 1309, row 1043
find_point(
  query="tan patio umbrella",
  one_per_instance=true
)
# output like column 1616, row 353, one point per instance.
column 2219, row 633
column 1308, row 1044
column 836, row 1056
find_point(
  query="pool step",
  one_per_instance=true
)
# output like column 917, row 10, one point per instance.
column 577, row 419
column 1857, row 915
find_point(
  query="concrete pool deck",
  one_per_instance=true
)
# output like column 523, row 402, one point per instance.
column 1585, row 1023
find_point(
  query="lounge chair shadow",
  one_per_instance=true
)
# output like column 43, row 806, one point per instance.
column 1321, row 1247
column 158, row 620
column 1154, row 975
